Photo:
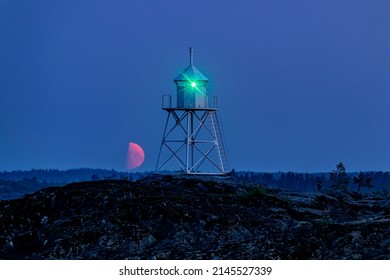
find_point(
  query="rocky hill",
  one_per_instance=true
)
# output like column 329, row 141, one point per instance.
column 179, row 217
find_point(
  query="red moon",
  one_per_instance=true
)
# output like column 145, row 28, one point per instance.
column 135, row 156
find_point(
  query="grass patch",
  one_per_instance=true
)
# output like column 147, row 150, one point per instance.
column 256, row 190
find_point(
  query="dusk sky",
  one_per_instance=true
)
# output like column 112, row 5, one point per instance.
column 302, row 85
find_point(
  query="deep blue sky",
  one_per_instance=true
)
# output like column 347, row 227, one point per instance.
column 302, row 85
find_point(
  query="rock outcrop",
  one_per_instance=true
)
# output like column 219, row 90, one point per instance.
column 179, row 217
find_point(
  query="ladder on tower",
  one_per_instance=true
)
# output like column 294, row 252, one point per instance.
column 217, row 134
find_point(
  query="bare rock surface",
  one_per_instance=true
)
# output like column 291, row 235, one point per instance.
column 182, row 217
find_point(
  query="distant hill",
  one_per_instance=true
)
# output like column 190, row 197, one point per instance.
column 184, row 217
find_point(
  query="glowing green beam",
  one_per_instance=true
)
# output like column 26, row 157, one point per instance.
column 193, row 84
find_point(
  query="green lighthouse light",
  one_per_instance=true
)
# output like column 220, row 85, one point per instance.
column 193, row 84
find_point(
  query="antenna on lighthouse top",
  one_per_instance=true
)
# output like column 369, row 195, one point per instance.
column 191, row 56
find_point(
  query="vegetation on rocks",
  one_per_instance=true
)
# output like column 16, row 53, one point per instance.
column 184, row 217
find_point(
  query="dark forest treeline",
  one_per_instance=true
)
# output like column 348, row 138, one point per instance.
column 67, row 176
column 312, row 182
column 14, row 184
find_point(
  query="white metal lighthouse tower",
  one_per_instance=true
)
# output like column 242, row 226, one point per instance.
column 192, row 138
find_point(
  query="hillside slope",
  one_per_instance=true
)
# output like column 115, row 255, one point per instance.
column 166, row 217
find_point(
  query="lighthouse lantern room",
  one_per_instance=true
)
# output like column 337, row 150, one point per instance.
column 191, row 87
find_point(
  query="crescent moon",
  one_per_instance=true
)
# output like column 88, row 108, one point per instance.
column 135, row 156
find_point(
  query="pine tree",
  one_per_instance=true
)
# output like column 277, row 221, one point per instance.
column 339, row 178
column 362, row 181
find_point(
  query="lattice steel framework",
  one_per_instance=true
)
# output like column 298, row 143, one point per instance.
column 192, row 138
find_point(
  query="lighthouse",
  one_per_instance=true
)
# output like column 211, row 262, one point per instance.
column 192, row 140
